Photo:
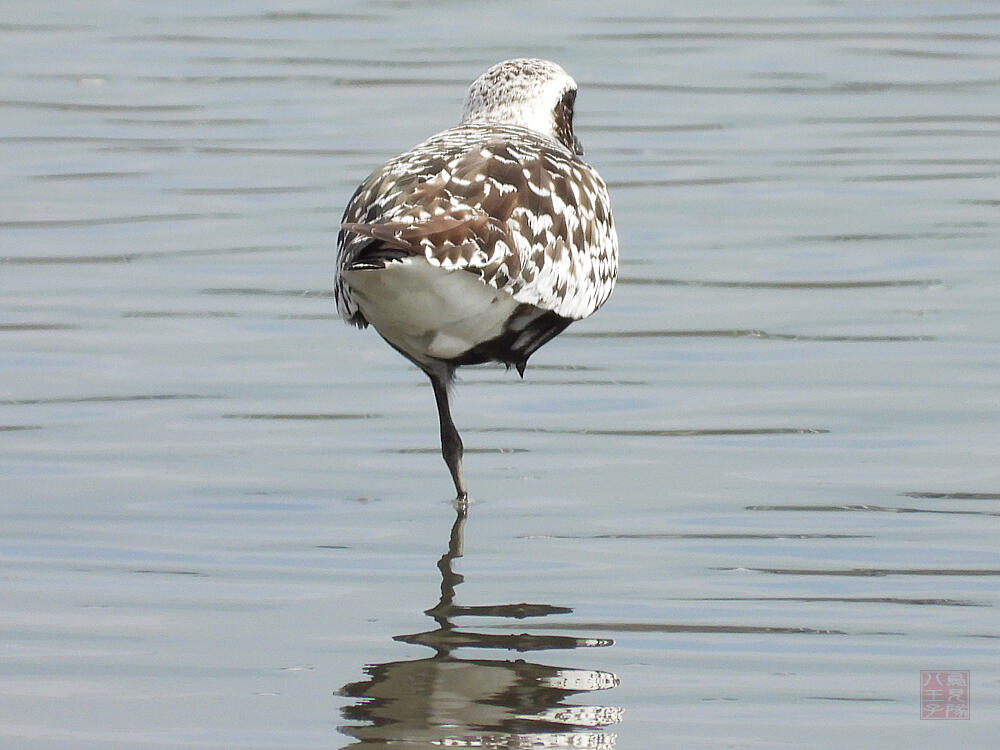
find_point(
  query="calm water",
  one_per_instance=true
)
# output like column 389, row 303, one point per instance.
column 743, row 506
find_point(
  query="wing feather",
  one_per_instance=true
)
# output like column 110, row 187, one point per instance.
column 514, row 207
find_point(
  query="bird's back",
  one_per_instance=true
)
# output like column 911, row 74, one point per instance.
column 516, row 209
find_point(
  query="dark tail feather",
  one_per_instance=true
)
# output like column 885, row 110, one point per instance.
column 527, row 330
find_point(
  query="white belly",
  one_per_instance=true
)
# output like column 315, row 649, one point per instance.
column 427, row 311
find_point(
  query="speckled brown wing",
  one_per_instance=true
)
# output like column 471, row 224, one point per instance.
column 517, row 209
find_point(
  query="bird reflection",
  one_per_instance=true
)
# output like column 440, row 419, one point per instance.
column 447, row 701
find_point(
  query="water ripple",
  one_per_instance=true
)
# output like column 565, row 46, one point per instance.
column 749, row 333
column 868, row 509
column 873, row 571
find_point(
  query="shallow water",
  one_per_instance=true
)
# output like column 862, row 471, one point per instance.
column 742, row 506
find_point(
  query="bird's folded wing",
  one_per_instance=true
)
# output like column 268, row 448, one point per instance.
column 528, row 219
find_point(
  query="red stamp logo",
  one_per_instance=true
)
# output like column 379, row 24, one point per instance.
column 944, row 694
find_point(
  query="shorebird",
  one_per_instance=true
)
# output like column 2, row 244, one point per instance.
column 483, row 242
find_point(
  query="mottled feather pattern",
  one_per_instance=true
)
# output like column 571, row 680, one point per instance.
column 513, row 206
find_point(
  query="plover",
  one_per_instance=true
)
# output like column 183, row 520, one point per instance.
column 483, row 242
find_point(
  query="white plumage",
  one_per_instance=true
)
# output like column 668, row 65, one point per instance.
column 484, row 241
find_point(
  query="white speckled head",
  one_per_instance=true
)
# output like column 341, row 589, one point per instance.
column 529, row 92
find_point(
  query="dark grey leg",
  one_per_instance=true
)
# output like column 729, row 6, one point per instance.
column 451, row 442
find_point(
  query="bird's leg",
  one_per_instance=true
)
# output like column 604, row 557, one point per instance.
column 451, row 442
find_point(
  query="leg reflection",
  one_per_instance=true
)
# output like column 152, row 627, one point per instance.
column 492, row 703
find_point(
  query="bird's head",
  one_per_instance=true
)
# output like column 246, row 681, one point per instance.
column 530, row 92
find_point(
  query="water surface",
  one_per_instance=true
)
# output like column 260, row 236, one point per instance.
column 742, row 506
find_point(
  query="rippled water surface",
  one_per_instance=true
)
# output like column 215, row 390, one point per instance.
column 742, row 506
